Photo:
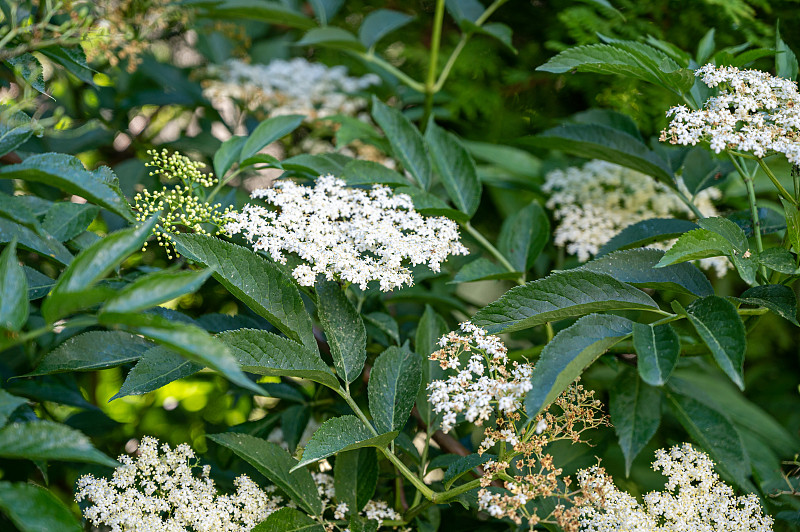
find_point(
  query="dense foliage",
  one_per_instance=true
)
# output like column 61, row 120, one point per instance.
column 431, row 265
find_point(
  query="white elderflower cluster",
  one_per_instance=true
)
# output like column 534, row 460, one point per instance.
column 695, row 500
column 595, row 202
column 483, row 387
column 345, row 233
column 283, row 87
column 374, row 510
column 753, row 112
column 157, row 492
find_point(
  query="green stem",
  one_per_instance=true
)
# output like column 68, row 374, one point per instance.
column 689, row 203
column 783, row 192
column 751, row 196
column 81, row 321
column 491, row 249
column 436, row 41
column 221, row 183
column 396, row 72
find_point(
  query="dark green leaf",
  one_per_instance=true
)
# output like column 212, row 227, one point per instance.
column 34, row 509
column 394, row 383
column 156, row 288
column 92, row 350
column 358, row 172
column 8, row 404
column 785, row 60
column 464, row 10
column 157, row 367
column 344, row 330
column 385, row 323
column 355, row 476
column 38, row 283
column 657, row 349
column 718, row 324
column 647, row 232
column 612, row 119
column 288, row 520
column 43, row 244
column 48, row 440
column 430, row 205
column 635, row 411
column 792, row 224
column 523, row 236
column 430, row 329
column 227, row 154
column 570, row 352
column 14, row 209
column 495, row 30
column 14, row 305
column 481, row 270
column 728, row 230
column 706, row 47
column 66, row 220
column 380, row 23
column 331, row 37
column 275, row 464
column 268, row 132
column 561, row 295
column 700, row 171
column 341, row 434
column 265, row 353
column 455, row 166
column 311, row 166
column 406, row 142
column 262, row 11
column 293, row 422
column 262, row 158
column 779, row 260
column 14, row 132
column 778, row 298
column 464, row 465
column 259, row 283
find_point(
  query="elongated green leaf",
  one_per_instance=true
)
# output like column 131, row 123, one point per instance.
column 11, row 207
column 717, row 436
column 785, row 60
column 227, row 154
column 340, row 434
column 26, row 238
column 605, row 143
column 157, row 367
column 261, row 10
column 93, row 350
column 8, row 404
column 288, row 520
column 726, row 229
column 47, row 440
column 66, row 220
column 293, row 423
column 380, row 23
column 778, row 298
column 358, row 172
column 344, row 329
column 430, row 329
column 792, row 224
column 14, row 131
column 68, row 173
column 191, row 341
column 694, row 245
column 394, row 383
column 355, row 477
column 94, row 263
column 277, row 465
column 647, row 232
column 268, row 132
column 264, row 353
column 455, row 166
column 406, row 142
column 718, row 324
column 635, row 411
column 14, row 305
column 523, row 235
column 259, row 283
column 34, row 509
column 561, row 295
column 331, row 37
column 482, row 270
column 657, row 349
column 156, row 288
column 569, row 353
column 464, row 465
column 430, row 205
column 637, row 267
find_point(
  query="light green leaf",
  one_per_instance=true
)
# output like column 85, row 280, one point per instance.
column 288, row 520
column 778, row 298
column 637, row 267
column 277, row 465
column 68, row 173
column 394, row 383
column 455, row 166
column 344, row 330
column 340, row 434
column 635, row 411
column 93, row 350
column 265, row 353
column 155, row 288
column 332, row 37
column 254, row 280
column 523, row 236
column 66, row 220
column 561, row 295
column 646, row 232
column 157, row 367
column 569, row 353
column 227, row 154
column 14, row 305
column 785, row 60
column 34, row 509
column 482, row 269
column 380, row 23
column 48, row 440
column 694, row 245
column 464, row 465
column 728, row 230
column 718, row 324
column 268, row 132
column 355, row 475
column 406, row 142
column 657, row 349
column 358, row 172
column 705, row 48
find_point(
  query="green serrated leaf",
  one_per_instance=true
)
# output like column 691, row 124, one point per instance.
column 780, row 299
column 155, row 288
column 694, row 245
column 728, row 230
column 523, row 236
column 157, row 367
column 40, row 243
column 277, row 465
column 265, row 353
column 405, row 140
column 8, row 404
column 34, row 509
column 482, row 270
column 48, row 440
column 779, row 260
column 570, row 352
column 561, row 295
column 344, row 330
column 340, row 434
column 785, row 60
column 657, row 348
column 288, row 520
column 91, row 351
column 358, row 172
column 66, row 220
column 430, row 328
column 293, row 423
column 646, row 232
column 456, row 168
column 718, row 324
column 14, row 306
column 355, row 475
column 464, row 465
column 14, row 132
column 394, row 383
column 254, row 280
column 268, row 132
column 792, row 224
column 635, row 411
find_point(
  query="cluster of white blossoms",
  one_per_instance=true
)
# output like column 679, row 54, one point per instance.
column 753, row 112
column 344, row 233
column 374, row 510
column 695, row 500
column 284, row 87
column 485, row 386
column 593, row 203
column 158, row 493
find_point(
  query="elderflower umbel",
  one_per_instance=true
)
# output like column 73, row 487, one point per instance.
column 346, row 233
column 295, row 86
column 157, row 492
column 374, row 510
column 753, row 112
column 179, row 205
column 694, row 500
column 595, row 202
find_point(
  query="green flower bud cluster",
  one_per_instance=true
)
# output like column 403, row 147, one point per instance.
column 182, row 206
